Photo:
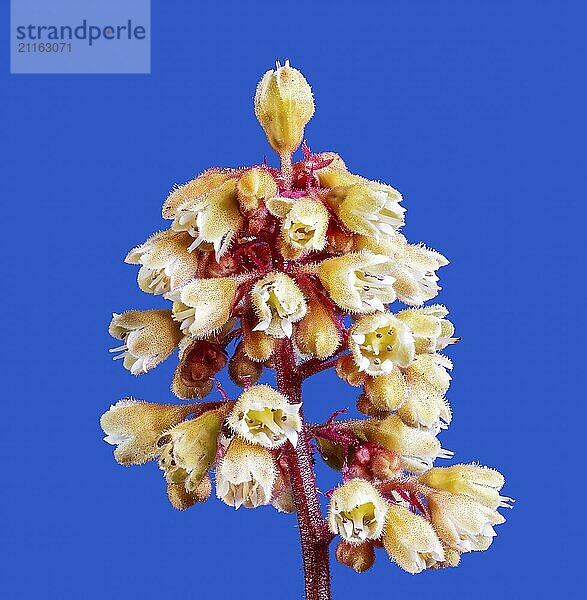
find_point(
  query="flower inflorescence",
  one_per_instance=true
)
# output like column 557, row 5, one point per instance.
column 302, row 261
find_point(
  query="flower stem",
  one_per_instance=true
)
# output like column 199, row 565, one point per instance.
column 313, row 534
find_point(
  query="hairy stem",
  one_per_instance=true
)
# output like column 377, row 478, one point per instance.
column 313, row 534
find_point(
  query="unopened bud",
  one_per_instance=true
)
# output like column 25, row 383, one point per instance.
column 243, row 370
column 284, row 105
column 317, row 333
column 360, row 558
column 346, row 368
column 253, row 188
column 181, row 498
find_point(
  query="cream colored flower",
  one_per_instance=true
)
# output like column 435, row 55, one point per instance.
column 304, row 224
column 462, row 523
column 429, row 372
column 479, row 483
column 264, row 416
column 318, row 333
column 134, row 426
column 188, row 450
column 426, row 409
column 386, row 392
column 368, row 208
column 431, row 330
column 255, row 186
column 149, row 336
column 410, row 540
column 380, row 341
column 165, row 262
column 357, row 512
column 213, row 217
column 202, row 184
column 278, row 303
column 284, row 105
column 418, row 448
column 203, row 306
column 246, row 475
column 358, row 282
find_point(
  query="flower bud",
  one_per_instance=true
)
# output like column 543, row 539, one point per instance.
column 372, row 461
column 181, row 499
column 188, row 450
column 134, row 426
column 257, row 345
column 332, row 454
column 284, row 105
column 360, row 558
column 187, row 392
column 369, row 208
column 429, row 372
column 149, row 336
column 387, row 392
column 431, row 331
column 380, row 341
column 339, row 241
column 357, row 512
column 317, row 333
column 165, row 262
column 213, row 218
column 417, row 448
column 425, row 409
column 358, row 282
column 410, row 540
column 462, row 523
column 200, row 361
column 203, row 306
column 366, row 407
column 479, row 483
column 254, row 187
column 346, row 368
column 242, row 370
column 278, row 303
column 202, row 184
column 246, row 475
column 263, row 416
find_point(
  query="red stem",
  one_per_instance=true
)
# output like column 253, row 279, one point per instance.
column 314, row 534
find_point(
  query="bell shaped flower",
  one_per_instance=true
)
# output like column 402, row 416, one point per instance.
column 357, row 512
column 148, row 336
column 418, row 448
column 369, row 208
column 410, row 540
column 263, row 416
column 380, row 341
column 134, row 427
column 165, row 262
column 425, row 409
column 461, row 522
column 359, row 282
column 482, row 484
column 255, row 186
column 203, row 306
column 188, row 450
column 278, row 303
column 246, row 475
column 431, row 330
column 213, row 218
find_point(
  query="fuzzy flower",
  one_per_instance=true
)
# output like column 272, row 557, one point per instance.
column 284, row 105
column 429, row 372
column 386, row 392
column 203, row 306
column 462, row 523
column 188, row 450
column 318, row 333
column 304, row 224
column 181, row 498
column 357, row 512
column 359, row 558
column 134, row 426
column 418, row 448
column 410, row 540
column 278, row 303
column 482, row 484
column 380, row 341
column 359, row 282
column 165, row 262
column 246, row 475
column 255, row 186
column 425, row 409
column 213, row 218
column 431, row 330
column 368, row 208
column 202, row 184
column 264, row 416
column 149, row 337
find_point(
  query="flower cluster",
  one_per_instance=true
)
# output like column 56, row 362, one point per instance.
column 294, row 269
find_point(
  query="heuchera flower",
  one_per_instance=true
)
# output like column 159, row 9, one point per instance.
column 357, row 512
column 293, row 269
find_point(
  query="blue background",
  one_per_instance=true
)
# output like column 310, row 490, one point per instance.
column 474, row 110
